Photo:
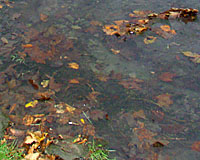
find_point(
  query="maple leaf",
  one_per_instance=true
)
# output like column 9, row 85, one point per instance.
column 167, row 76
column 164, row 100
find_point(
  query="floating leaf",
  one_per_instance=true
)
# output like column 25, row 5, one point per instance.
column 32, row 104
column 73, row 65
column 74, row 81
column 164, row 100
column 115, row 51
column 190, row 54
column 149, row 39
column 195, row 56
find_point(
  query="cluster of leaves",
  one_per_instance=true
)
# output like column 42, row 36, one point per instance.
column 144, row 19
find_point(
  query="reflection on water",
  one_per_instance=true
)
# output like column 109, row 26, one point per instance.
column 143, row 99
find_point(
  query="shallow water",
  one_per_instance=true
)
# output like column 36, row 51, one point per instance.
column 71, row 31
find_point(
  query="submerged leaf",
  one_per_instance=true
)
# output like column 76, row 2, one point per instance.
column 164, row 100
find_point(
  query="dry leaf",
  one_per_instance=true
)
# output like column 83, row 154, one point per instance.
column 196, row 146
column 4, row 40
column 164, row 100
column 115, row 51
column 139, row 114
column 73, row 65
column 27, row 45
column 74, row 81
column 149, row 39
column 43, row 17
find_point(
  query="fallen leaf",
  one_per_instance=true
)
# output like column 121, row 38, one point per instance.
column 195, row 56
column 31, row 104
column 149, row 39
column 143, row 133
column 139, row 114
column 167, row 76
column 28, row 120
column 89, row 129
column 43, row 17
column 45, row 83
column 132, row 83
column 115, row 51
column 73, row 65
column 4, row 40
column 27, row 45
column 164, row 100
column 74, row 81
column 196, row 146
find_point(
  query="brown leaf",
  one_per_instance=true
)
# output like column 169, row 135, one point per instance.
column 53, row 85
column 143, row 133
column 167, row 76
column 164, row 100
column 139, row 114
column 89, row 129
column 132, row 83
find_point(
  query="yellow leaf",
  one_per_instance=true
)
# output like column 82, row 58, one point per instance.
column 73, row 65
column 69, row 108
column 45, row 83
column 196, row 60
column 32, row 104
column 149, row 39
column 190, row 54
column 82, row 121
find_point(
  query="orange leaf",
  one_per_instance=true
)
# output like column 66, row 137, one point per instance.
column 167, row 76
column 164, row 100
column 74, row 81
column 27, row 45
column 196, row 146
column 73, row 65
column 43, row 17
column 165, row 28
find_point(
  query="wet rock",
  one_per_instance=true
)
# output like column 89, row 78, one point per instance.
column 67, row 150
column 3, row 124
